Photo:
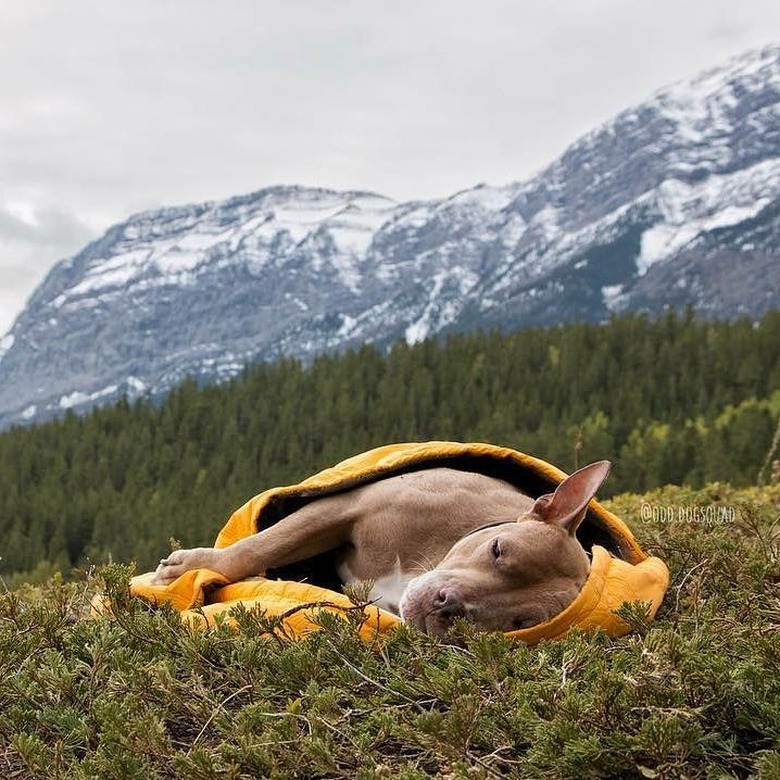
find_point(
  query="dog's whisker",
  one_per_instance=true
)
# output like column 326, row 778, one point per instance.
column 423, row 563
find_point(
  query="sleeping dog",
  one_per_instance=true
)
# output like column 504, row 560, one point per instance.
column 438, row 544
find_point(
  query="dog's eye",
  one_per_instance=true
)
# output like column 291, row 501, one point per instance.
column 495, row 548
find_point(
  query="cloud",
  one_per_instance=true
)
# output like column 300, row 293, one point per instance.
column 47, row 227
column 30, row 241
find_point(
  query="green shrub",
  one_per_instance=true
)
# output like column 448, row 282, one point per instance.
column 693, row 694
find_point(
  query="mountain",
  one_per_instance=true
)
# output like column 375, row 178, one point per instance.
column 673, row 202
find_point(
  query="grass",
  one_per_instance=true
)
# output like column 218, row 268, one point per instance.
column 694, row 694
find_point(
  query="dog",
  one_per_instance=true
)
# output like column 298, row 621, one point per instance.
column 438, row 545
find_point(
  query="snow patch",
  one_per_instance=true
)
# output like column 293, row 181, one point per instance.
column 297, row 301
column 513, row 229
column 702, row 107
column 135, row 384
column 77, row 397
column 483, row 198
column 663, row 241
column 177, row 261
column 113, row 277
column 546, row 221
column 719, row 201
column 347, row 325
column 439, row 311
column 417, row 331
column 352, row 239
column 612, row 294
column 73, row 399
column 415, row 216
column 5, row 344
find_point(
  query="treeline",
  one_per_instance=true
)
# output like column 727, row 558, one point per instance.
column 674, row 400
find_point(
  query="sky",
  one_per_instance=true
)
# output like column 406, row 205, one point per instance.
column 113, row 107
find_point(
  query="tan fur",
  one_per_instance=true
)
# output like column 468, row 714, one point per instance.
column 412, row 527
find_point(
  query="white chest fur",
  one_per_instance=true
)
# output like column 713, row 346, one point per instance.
column 387, row 590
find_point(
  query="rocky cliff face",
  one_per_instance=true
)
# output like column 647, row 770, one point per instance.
column 674, row 202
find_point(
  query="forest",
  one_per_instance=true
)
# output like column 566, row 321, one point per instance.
column 673, row 400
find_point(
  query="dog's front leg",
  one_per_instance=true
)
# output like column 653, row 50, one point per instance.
column 316, row 528
column 181, row 561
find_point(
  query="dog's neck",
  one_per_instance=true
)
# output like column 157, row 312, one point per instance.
column 489, row 525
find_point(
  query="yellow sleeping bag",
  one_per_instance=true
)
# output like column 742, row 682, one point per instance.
column 620, row 571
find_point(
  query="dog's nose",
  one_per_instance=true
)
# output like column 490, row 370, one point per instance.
column 447, row 603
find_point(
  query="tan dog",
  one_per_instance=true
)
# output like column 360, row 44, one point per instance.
column 439, row 544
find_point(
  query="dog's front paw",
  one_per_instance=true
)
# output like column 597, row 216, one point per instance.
column 181, row 561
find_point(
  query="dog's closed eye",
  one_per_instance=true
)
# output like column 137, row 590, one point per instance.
column 495, row 549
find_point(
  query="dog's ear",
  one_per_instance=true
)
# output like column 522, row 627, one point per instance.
column 566, row 506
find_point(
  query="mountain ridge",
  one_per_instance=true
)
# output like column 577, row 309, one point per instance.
column 675, row 201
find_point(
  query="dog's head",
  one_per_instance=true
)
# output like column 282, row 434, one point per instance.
column 512, row 575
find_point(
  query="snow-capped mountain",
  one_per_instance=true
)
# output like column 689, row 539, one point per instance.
column 675, row 201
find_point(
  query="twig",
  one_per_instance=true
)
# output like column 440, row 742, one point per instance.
column 769, row 455
column 220, row 706
column 680, row 586
column 368, row 679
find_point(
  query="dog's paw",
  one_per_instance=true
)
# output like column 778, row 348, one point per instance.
column 181, row 561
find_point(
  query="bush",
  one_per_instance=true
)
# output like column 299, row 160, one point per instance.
column 693, row 694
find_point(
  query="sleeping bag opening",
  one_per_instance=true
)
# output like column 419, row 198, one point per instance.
column 321, row 569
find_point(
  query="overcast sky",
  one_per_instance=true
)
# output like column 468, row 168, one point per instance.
column 108, row 108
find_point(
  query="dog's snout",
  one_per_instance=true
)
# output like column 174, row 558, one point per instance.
column 447, row 603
